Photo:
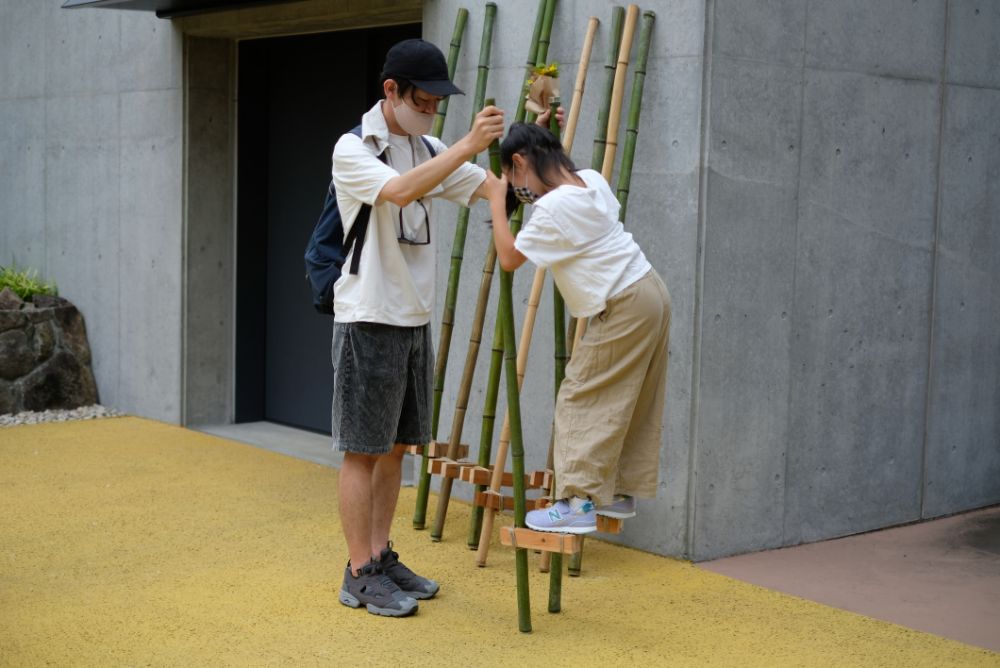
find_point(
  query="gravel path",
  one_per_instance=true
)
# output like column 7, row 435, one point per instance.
column 83, row 413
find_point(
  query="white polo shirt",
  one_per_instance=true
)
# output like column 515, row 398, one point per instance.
column 574, row 232
column 395, row 280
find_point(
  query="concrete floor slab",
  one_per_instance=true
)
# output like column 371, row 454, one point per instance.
column 941, row 576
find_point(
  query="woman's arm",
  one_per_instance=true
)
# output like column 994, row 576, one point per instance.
column 510, row 258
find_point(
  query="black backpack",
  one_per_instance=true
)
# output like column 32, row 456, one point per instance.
column 328, row 247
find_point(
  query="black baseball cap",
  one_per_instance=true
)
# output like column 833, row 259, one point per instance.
column 422, row 64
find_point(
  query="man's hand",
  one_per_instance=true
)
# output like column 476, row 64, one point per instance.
column 543, row 119
column 487, row 127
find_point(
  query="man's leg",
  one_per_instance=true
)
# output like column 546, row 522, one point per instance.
column 386, row 477
column 356, row 502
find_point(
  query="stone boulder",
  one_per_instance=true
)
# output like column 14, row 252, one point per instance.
column 44, row 356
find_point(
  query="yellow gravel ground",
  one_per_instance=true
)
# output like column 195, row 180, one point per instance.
column 128, row 542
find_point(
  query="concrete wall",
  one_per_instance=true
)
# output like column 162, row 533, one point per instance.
column 91, row 110
column 816, row 181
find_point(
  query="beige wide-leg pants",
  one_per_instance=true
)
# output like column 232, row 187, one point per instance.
column 609, row 411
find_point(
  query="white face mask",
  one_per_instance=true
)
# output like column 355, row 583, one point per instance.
column 413, row 122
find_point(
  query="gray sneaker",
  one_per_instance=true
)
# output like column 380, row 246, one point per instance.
column 622, row 507
column 409, row 582
column 376, row 591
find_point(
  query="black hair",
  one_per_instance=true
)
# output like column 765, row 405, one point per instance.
column 540, row 147
column 404, row 85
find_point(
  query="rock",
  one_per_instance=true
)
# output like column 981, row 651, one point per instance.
column 74, row 332
column 16, row 357
column 48, row 301
column 9, row 300
column 62, row 382
column 8, row 398
column 44, row 341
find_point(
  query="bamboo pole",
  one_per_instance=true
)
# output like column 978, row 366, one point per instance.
column 454, row 273
column 580, row 84
column 634, row 108
column 559, row 345
column 618, row 92
column 455, row 47
column 486, row 529
column 516, row 441
column 444, row 495
column 614, row 42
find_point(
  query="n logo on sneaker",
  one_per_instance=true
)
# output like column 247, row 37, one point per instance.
column 554, row 515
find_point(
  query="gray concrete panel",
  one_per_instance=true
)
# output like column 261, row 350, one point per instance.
column 82, row 51
column 22, row 32
column 22, row 183
column 858, row 379
column 869, row 152
column 82, row 225
column 866, row 223
column 210, row 236
column 772, row 31
column 150, row 264
column 974, row 43
column 963, row 427
column 150, row 53
column 755, row 121
column 746, row 332
column 899, row 38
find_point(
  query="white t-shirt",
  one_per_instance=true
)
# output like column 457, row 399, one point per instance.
column 395, row 280
column 574, row 232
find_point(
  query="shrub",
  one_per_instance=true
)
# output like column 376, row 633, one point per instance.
column 25, row 282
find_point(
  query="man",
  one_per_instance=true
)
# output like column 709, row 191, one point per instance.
column 382, row 351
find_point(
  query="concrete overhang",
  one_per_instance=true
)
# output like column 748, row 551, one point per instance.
column 166, row 9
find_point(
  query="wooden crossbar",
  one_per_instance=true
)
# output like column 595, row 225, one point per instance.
column 563, row 543
column 481, row 475
column 437, row 449
column 447, row 468
column 493, row 501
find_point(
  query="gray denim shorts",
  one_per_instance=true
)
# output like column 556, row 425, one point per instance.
column 382, row 380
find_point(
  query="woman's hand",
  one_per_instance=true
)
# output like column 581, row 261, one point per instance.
column 496, row 187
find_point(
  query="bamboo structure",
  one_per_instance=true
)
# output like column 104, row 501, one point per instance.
column 485, row 531
column 544, row 29
column 456, row 45
column 457, row 254
column 634, row 107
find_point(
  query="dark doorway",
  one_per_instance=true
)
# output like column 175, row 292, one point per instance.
column 296, row 96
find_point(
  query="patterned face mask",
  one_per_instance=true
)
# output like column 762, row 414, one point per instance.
column 525, row 194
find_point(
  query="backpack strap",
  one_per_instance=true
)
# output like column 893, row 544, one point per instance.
column 356, row 236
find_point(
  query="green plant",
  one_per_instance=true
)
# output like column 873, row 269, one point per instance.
column 25, row 282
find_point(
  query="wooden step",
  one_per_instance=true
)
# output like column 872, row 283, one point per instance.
column 493, row 500
column 447, row 468
column 564, row 543
column 481, row 475
column 437, row 449
column 607, row 524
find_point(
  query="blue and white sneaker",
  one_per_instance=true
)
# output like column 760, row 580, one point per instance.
column 565, row 516
column 622, row 507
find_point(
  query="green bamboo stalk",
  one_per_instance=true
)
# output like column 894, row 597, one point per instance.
column 614, row 43
column 454, row 275
column 516, row 442
column 635, row 104
column 559, row 336
column 456, row 46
